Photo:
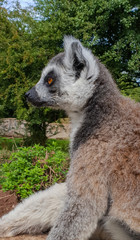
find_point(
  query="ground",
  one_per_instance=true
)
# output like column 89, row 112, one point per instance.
column 8, row 201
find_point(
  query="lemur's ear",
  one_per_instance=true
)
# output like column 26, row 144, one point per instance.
column 74, row 55
column 78, row 57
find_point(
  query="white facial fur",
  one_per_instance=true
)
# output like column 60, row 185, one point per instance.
column 74, row 93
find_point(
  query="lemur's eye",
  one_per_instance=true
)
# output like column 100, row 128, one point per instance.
column 50, row 81
column 50, row 78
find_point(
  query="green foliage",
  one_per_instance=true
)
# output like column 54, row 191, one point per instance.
column 33, row 168
column 62, row 144
column 133, row 93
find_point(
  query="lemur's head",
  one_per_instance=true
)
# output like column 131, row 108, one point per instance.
column 67, row 81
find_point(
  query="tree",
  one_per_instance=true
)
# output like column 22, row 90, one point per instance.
column 22, row 59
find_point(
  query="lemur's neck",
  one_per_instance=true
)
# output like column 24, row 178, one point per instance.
column 99, row 109
column 76, row 120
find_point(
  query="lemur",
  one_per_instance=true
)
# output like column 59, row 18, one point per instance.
column 101, row 196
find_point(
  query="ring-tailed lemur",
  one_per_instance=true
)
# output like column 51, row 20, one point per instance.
column 101, row 196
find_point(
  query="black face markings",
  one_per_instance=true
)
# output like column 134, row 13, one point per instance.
column 89, row 77
column 52, row 90
column 51, row 81
column 50, row 78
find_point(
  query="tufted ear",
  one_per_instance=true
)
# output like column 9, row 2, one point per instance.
column 74, row 57
column 78, row 58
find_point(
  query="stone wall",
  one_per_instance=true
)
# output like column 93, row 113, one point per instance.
column 11, row 127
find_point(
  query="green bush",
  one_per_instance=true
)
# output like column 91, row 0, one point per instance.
column 62, row 144
column 34, row 168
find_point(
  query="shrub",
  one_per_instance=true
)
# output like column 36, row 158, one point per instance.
column 62, row 144
column 34, row 168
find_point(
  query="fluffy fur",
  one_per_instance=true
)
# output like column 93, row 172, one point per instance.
column 101, row 196
column 35, row 214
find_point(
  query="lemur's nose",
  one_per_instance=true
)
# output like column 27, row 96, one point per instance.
column 27, row 94
column 31, row 93
column 33, row 98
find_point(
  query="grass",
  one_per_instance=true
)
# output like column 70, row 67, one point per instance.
column 10, row 144
column 7, row 146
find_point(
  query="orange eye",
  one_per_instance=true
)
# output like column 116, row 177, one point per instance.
column 50, row 80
